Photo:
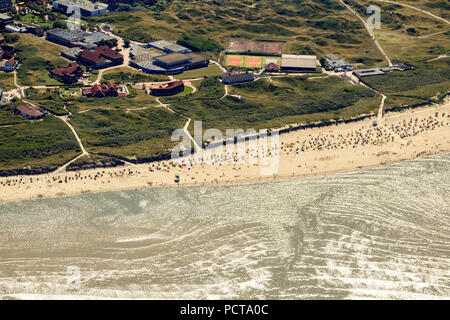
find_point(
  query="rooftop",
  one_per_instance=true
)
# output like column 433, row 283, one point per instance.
column 83, row 4
column 298, row 61
column 92, row 56
column 196, row 57
column 30, row 111
column 170, row 85
column 4, row 16
column 69, row 70
column 236, row 75
column 173, row 58
column 369, row 72
column 331, row 56
column 170, row 46
column 96, row 37
column 69, row 34
column 72, row 51
column 108, row 52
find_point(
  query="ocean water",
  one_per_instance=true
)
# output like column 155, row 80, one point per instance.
column 376, row 233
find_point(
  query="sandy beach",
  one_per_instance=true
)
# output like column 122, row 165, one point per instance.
column 345, row 147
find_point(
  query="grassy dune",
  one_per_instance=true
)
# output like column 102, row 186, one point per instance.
column 47, row 143
column 274, row 104
column 135, row 134
column 428, row 82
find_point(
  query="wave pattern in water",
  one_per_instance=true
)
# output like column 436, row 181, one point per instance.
column 377, row 233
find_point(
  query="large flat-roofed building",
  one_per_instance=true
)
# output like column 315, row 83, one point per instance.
column 168, row 47
column 151, row 61
column 77, row 38
column 87, row 8
column 244, row 46
column 369, row 72
column 235, row 77
column 66, row 37
column 97, row 37
column 5, row 20
column 197, row 61
column 71, row 53
column 137, row 51
column 298, row 63
column 172, row 60
column 333, row 62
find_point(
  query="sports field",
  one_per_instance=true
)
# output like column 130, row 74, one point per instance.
column 247, row 61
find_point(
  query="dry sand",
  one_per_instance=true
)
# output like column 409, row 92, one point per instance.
column 326, row 150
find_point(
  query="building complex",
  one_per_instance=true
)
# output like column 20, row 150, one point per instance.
column 333, row 62
column 77, row 38
column 87, row 8
column 154, row 60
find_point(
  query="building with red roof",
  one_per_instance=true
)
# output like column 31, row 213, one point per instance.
column 94, row 60
column 69, row 74
column 110, row 54
column 8, row 65
column 272, row 67
column 31, row 112
column 103, row 90
column 169, row 89
column 101, row 57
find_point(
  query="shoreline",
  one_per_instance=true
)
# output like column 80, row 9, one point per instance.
column 229, row 183
column 328, row 150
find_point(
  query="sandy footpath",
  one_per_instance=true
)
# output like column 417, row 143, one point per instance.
column 400, row 136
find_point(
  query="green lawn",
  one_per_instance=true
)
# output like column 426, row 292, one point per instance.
column 37, row 56
column 128, row 75
column 210, row 71
column 6, row 81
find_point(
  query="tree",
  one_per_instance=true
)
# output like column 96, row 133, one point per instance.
column 60, row 24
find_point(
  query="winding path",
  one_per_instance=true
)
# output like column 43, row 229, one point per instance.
column 418, row 9
column 186, row 125
column 371, row 33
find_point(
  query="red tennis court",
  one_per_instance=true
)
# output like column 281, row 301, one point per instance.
column 253, row 62
column 234, row 61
